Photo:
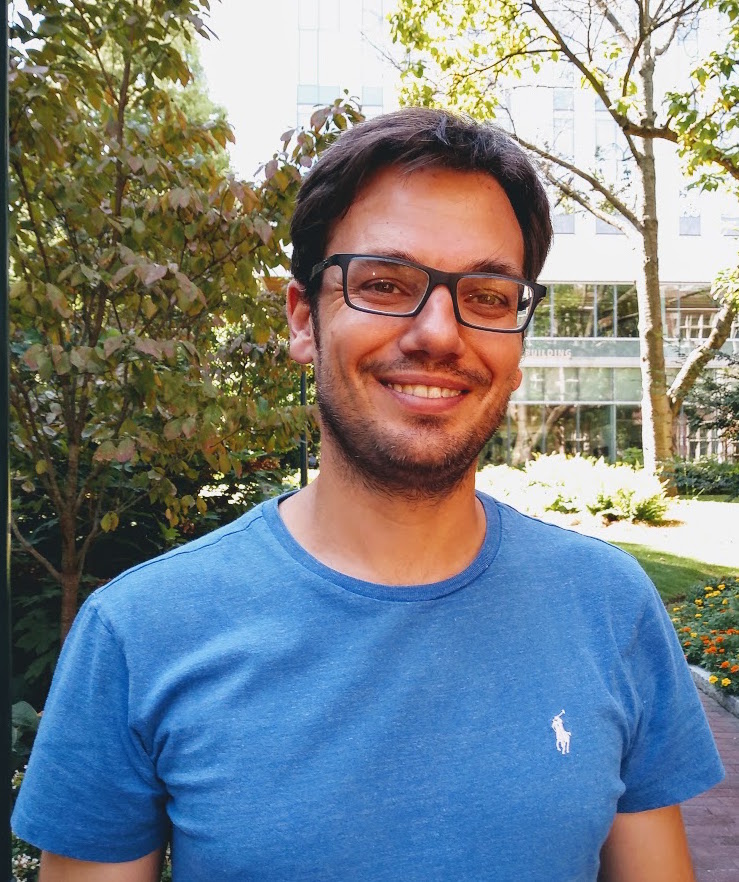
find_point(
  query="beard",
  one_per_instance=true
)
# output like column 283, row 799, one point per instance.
column 410, row 462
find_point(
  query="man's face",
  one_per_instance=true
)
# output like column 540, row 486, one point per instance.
column 407, row 404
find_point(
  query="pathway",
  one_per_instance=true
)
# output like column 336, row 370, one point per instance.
column 712, row 819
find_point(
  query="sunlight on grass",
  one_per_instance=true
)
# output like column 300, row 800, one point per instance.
column 671, row 574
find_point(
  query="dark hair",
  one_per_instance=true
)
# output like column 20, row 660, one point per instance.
column 411, row 139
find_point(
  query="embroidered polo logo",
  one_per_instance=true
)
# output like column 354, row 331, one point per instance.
column 563, row 736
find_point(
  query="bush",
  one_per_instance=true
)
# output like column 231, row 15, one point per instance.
column 575, row 485
column 707, row 477
column 707, row 622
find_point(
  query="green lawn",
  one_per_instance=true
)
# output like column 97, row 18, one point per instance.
column 671, row 574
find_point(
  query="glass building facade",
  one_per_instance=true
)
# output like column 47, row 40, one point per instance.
column 581, row 387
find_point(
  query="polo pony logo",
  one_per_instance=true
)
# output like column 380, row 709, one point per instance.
column 563, row 736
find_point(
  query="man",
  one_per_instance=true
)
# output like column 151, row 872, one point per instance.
column 383, row 676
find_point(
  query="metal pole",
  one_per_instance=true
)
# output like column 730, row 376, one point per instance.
column 304, row 437
column 5, row 848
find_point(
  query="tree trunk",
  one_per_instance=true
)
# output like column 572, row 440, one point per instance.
column 656, row 412
column 70, row 573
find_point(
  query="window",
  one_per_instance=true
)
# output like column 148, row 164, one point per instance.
column 573, row 310
column 307, row 14
column 308, row 57
column 627, row 311
column 690, row 217
column 602, row 228
column 563, row 222
column 730, row 225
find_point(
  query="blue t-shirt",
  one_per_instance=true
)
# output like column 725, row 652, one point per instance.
column 281, row 721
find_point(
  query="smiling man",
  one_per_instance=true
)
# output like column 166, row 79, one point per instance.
column 384, row 676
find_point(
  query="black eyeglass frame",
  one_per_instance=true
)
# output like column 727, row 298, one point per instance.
column 436, row 278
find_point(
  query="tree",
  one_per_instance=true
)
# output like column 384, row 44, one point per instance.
column 459, row 52
column 146, row 281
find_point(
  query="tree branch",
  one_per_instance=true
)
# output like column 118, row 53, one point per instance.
column 35, row 554
column 591, row 180
column 700, row 356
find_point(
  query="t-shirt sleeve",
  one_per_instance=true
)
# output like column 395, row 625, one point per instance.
column 90, row 791
column 672, row 755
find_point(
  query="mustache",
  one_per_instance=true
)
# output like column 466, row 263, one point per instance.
column 443, row 367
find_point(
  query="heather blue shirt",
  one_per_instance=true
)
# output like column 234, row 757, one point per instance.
column 281, row 721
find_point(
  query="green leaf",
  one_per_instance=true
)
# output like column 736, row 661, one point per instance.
column 109, row 521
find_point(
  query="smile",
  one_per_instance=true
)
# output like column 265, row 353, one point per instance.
column 425, row 391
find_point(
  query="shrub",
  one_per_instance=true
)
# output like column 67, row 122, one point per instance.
column 707, row 622
column 707, row 477
column 576, row 484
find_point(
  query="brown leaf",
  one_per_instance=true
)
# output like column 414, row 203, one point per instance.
column 150, row 273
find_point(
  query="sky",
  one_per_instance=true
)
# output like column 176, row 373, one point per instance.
column 251, row 71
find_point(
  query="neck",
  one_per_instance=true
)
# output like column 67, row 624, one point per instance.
column 385, row 537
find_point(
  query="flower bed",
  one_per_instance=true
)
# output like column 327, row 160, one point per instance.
column 707, row 622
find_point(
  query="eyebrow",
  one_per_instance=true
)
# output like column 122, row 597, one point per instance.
column 486, row 265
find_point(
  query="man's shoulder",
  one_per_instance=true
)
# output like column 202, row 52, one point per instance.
column 556, row 551
column 189, row 570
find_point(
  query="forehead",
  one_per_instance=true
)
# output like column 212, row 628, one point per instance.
column 444, row 218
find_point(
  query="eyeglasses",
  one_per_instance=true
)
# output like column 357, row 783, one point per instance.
column 391, row 286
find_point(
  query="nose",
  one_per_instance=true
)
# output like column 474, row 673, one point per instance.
column 435, row 330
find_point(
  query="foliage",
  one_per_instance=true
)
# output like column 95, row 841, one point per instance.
column 147, row 327
column 704, row 116
column 576, row 484
column 473, row 56
column 714, row 403
column 707, row 477
column 707, row 622
column 673, row 575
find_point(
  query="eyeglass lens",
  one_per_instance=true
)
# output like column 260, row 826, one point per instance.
column 384, row 285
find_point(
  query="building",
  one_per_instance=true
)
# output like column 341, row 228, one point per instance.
column 581, row 389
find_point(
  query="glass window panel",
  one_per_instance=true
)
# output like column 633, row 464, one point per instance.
column 308, row 57
column 573, row 310
column 532, row 384
column 563, row 99
column 526, row 432
column 671, row 297
column 596, row 384
column 329, row 15
column 628, row 384
column 697, row 313
column 595, row 431
column 307, row 13
column 564, row 135
column 561, row 384
column 563, row 223
column 603, row 228
column 628, row 432
column 560, row 425
column 627, row 311
column 541, row 325
column 690, row 225
column 605, row 298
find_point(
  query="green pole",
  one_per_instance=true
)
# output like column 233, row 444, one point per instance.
column 5, row 848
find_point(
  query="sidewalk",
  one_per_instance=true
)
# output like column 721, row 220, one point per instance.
column 712, row 819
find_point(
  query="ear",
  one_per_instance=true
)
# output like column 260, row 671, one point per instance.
column 517, row 379
column 302, row 342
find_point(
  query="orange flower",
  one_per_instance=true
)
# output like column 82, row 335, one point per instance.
column 734, row 669
column 724, row 664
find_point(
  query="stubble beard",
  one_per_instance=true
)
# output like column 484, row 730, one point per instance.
column 393, row 466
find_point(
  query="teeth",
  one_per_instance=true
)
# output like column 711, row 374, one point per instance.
column 425, row 391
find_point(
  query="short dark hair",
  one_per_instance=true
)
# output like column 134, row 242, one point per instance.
column 416, row 138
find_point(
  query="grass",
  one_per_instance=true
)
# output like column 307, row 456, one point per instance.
column 673, row 575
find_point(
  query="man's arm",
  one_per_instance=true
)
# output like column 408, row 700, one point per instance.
column 55, row 868
column 647, row 847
